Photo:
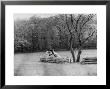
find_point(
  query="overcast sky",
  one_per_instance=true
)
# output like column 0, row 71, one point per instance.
column 27, row 16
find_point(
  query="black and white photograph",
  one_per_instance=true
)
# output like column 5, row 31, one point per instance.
column 55, row 44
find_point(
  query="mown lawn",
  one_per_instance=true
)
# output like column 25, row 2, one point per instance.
column 28, row 64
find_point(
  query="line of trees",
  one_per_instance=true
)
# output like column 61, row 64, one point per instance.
column 59, row 32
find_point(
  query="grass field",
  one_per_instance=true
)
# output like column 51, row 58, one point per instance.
column 27, row 64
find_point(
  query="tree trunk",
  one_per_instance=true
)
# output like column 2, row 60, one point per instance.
column 72, row 52
column 78, row 55
column 71, row 48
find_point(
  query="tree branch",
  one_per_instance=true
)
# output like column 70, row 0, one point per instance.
column 72, row 20
column 88, row 19
column 58, row 28
column 78, row 33
column 77, row 23
column 88, row 37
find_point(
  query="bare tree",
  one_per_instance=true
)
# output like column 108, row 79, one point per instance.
column 81, row 28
